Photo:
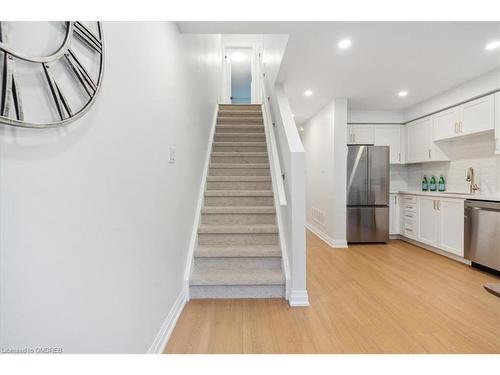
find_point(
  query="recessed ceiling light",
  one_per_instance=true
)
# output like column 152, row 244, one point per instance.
column 308, row 93
column 237, row 57
column 493, row 45
column 293, row 114
column 301, row 129
column 402, row 94
column 344, row 44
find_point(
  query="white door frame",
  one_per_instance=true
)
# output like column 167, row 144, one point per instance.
column 255, row 83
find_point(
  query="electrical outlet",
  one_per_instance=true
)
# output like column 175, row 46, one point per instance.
column 171, row 157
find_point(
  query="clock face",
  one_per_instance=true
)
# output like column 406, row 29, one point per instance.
column 50, row 72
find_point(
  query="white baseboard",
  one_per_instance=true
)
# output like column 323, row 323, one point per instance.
column 431, row 248
column 337, row 244
column 298, row 298
column 161, row 339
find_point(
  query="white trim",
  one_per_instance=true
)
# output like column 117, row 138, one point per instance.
column 166, row 329
column 299, row 298
column 336, row 244
column 194, row 233
column 284, row 248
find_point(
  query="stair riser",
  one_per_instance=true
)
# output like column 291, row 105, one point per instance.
column 238, row 219
column 237, row 239
column 237, row 291
column 240, row 122
column 267, row 263
column 239, row 185
column 239, row 129
column 239, row 172
column 239, row 201
column 243, row 107
column 245, row 114
column 255, row 148
column 223, row 137
column 239, row 159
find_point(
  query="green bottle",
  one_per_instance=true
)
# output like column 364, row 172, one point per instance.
column 441, row 184
column 432, row 184
column 425, row 184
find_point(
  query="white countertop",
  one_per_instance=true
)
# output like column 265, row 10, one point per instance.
column 484, row 197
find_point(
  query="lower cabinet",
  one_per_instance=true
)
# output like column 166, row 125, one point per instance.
column 440, row 222
column 428, row 221
column 451, row 224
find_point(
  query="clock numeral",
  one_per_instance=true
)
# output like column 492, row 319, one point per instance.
column 81, row 73
column 87, row 36
column 10, row 89
column 62, row 104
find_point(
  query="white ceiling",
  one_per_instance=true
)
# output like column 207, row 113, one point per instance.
column 424, row 58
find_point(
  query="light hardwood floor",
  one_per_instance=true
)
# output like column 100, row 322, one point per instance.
column 395, row 298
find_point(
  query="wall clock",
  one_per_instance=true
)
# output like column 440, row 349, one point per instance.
column 50, row 72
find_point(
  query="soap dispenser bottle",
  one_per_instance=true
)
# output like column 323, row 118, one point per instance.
column 432, row 184
column 425, row 184
column 441, row 184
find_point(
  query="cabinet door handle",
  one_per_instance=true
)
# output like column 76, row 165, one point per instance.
column 434, row 203
column 399, row 156
column 438, row 205
column 429, row 153
column 456, row 127
column 460, row 128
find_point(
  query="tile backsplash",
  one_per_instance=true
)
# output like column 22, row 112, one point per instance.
column 475, row 152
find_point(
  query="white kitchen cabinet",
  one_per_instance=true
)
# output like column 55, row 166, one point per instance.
column 360, row 134
column 446, row 124
column 420, row 142
column 428, row 221
column 478, row 116
column 497, row 123
column 437, row 221
column 451, row 225
column 394, row 214
column 390, row 135
column 473, row 117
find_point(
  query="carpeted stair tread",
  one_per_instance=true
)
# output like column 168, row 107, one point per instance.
column 237, row 251
column 238, row 210
column 238, row 229
column 237, row 277
column 239, row 193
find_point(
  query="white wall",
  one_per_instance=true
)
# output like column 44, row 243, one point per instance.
column 478, row 86
column 94, row 221
column 324, row 139
column 375, row 117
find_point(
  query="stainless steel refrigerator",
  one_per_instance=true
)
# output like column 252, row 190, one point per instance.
column 367, row 194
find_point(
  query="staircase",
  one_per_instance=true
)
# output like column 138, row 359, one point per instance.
column 238, row 253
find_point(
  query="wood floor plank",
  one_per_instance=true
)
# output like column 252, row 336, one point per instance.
column 394, row 298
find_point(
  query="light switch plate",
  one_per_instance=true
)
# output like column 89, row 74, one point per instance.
column 171, row 157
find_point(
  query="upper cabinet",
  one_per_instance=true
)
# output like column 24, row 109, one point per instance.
column 359, row 134
column 420, row 143
column 469, row 118
column 497, row 123
column 392, row 136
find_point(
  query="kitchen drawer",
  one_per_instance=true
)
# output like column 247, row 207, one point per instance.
column 409, row 199
column 409, row 207
column 409, row 215
column 409, row 228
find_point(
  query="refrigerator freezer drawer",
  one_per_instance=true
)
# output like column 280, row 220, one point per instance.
column 367, row 224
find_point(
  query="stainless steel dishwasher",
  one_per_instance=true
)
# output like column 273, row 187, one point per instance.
column 482, row 233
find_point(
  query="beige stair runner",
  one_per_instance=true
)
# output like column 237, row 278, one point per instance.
column 238, row 253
